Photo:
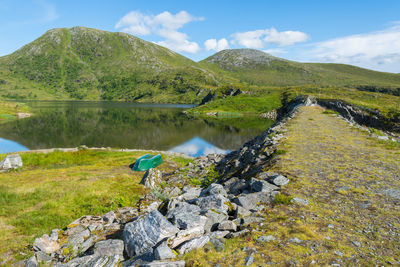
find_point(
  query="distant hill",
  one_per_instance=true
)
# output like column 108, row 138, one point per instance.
column 259, row 68
column 90, row 64
column 84, row 63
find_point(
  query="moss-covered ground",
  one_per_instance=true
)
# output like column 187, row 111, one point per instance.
column 52, row 190
column 350, row 220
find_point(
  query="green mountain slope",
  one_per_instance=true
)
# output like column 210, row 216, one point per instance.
column 259, row 68
column 83, row 63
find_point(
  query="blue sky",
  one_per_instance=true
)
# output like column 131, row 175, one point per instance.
column 365, row 33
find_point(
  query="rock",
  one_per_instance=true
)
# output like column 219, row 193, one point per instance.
column 42, row 257
column 189, row 220
column 242, row 212
column 82, row 223
column 12, row 161
column 236, row 186
column 109, row 247
column 246, row 221
column 189, row 193
column 249, row 260
column 261, row 186
column 88, row 243
column 163, row 252
column 251, row 201
column 195, row 243
column 218, row 243
column 218, row 234
column 278, row 180
column 126, row 214
column 227, row 226
column 45, row 244
column 77, row 239
column 32, row 262
column 356, row 243
column 238, row 234
column 182, row 208
column 218, row 203
column 180, row 263
column 152, row 178
column 393, row 193
column 300, row 201
column 192, row 227
column 54, row 234
column 109, row 217
column 174, row 192
column 295, row 240
column 93, row 261
column 265, row 238
column 214, row 189
column 142, row 235
column 213, row 219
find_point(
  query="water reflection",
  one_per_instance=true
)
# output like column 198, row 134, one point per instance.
column 126, row 125
column 7, row 146
column 196, row 147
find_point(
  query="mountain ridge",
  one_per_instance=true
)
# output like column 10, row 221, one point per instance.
column 91, row 64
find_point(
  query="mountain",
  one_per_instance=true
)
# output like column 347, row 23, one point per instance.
column 84, row 63
column 259, row 68
column 89, row 64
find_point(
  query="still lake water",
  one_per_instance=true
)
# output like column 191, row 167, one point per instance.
column 60, row 124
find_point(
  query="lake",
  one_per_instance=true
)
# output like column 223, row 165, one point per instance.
column 61, row 124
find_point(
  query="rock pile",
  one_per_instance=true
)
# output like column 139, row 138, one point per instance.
column 176, row 226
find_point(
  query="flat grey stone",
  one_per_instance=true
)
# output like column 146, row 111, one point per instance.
column 213, row 189
column 253, row 200
column 12, row 161
column 213, row 219
column 261, row 186
column 109, row 247
column 218, row 203
column 180, row 263
column 32, row 262
column 142, row 235
column 45, row 244
column 195, row 243
column 42, row 257
column 227, row 226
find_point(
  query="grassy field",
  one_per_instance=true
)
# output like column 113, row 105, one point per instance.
column 52, row 190
column 9, row 110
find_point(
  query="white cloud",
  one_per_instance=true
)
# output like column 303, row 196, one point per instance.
column 275, row 51
column 285, row 38
column 213, row 44
column 165, row 25
column 260, row 38
column 378, row 50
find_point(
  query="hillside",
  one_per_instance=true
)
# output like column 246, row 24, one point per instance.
column 83, row 63
column 259, row 68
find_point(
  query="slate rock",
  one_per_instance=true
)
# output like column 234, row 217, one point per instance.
column 196, row 229
column 213, row 189
column 218, row 203
column 32, row 262
column 249, row 260
column 278, row 180
column 218, row 243
column 180, row 209
column 109, row 217
column 189, row 193
column 180, row 263
column 261, row 186
column 236, row 186
column 45, row 244
column 163, row 252
column 126, row 214
column 93, row 261
column 213, row 219
column 142, row 235
column 42, row 257
column 195, row 243
column 252, row 200
column 227, row 226
column 109, row 247
column 242, row 212
column 12, row 161
column 152, row 178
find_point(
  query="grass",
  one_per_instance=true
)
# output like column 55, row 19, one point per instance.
column 244, row 104
column 9, row 110
column 53, row 189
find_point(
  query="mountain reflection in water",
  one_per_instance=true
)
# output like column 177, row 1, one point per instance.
column 58, row 124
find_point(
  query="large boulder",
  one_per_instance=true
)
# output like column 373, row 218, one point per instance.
column 163, row 252
column 142, row 235
column 194, row 244
column 13, row 161
column 192, row 226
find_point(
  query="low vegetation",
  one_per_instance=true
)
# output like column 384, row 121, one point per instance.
column 53, row 189
column 9, row 110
